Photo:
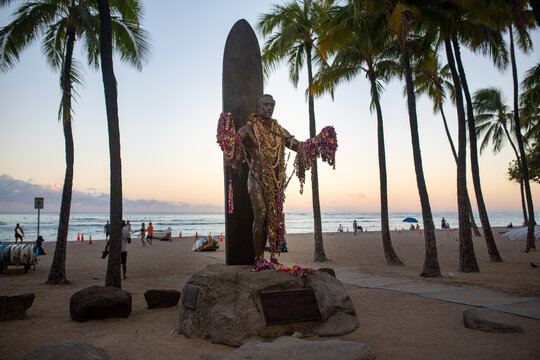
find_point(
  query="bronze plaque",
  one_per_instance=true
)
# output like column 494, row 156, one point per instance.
column 289, row 306
column 190, row 296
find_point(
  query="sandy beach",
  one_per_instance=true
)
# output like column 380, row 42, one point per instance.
column 397, row 325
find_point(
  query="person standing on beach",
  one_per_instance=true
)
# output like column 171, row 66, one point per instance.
column 107, row 230
column 143, row 231
column 19, row 233
column 354, row 226
column 149, row 233
column 126, row 239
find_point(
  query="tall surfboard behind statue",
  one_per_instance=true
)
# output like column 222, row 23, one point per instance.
column 242, row 86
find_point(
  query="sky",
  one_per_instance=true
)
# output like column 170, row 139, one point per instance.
column 168, row 118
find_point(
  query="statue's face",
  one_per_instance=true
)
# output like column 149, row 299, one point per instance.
column 266, row 107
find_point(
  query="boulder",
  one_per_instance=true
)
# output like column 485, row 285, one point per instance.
column 228, row 311
column 329, row 271
column 100, row 302
column 14, row 307
column 67, row 351
column 293, row 348
column 490, row 321
column 161, row 298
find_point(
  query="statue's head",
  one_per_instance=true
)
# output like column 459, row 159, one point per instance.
column 265, row 106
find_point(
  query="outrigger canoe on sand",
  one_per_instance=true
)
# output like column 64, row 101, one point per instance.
column 162, row 234
column 206, row 244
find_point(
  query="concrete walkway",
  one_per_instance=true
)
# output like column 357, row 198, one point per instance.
column 523, row 306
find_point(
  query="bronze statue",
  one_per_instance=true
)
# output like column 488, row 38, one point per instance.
column 264, row 141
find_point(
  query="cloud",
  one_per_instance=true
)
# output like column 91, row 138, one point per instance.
column 18, row 196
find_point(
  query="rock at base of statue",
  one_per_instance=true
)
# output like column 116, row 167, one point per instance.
column 161, row 298
column 100, row 302
column 67, row 351
column 228, row 308
column 287, row 347
column 14, row 307
column 490, row 321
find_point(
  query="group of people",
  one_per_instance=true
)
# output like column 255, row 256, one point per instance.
column 355, row 226
column 145, row 233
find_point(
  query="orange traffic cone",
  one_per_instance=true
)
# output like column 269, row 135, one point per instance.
column 82, row 237
column 447, row 233
column 78, row 237
column 170, row 237
column 90, row 241
column 221, row 238
column 196, row 236
column 180, row 236
column 420, row 232
column 399, row 232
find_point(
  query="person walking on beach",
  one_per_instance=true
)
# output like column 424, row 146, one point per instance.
column 143, row 231
column 355, row 226
column 19, row 233
column 107, row 230
column 149, row 233
column 126, row 239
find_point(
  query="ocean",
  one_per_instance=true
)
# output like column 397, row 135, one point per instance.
column 91, row 224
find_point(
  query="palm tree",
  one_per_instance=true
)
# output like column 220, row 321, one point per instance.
column 493, row 118
column 359, row 51
column 507, row 15
column 113, row 276
column 399, row 17
column 431, row 79
column 293, row 31
column 61, row 23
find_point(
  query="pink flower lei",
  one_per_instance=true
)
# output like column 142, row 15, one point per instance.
column 294, row 270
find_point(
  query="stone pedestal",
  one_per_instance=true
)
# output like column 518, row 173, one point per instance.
column 228, row 311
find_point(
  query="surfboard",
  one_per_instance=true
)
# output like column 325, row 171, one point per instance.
column 242, row 85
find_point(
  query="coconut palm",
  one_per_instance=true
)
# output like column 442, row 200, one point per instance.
column 432, row 79
column 356, row 50
column 61, row 23
column 399, row 18
column 293, row 30
column 507, row 15
column 494, row 122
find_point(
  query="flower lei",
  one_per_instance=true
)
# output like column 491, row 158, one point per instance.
column 323, row 145
column 294, row 270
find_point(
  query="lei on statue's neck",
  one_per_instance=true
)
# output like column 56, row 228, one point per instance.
column 273, row 180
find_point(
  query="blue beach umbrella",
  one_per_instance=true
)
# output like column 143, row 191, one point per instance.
column 410, row 220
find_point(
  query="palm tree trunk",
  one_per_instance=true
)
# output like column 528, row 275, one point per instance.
column 57, row 274
column 469, row 206
column 475, row 169
column 524, row 167
column 467, row 257
column 431, row 261
column 521, row 185
column 389, row 253
column 113, row 276
column 319, row 246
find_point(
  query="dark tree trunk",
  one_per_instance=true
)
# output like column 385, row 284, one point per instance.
column 57, row 274
column 535, row 4
column 113, row 276
column 319, row 246
column 469, row 207
column 431, row 261
column 467, row 258
column 475, row 169
column 524, row 167
column 389, row 253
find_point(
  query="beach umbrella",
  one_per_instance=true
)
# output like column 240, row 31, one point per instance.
column 410, row 220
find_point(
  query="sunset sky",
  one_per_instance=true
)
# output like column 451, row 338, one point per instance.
column 168, row 118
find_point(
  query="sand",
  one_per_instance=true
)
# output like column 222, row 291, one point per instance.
column 396, row 325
